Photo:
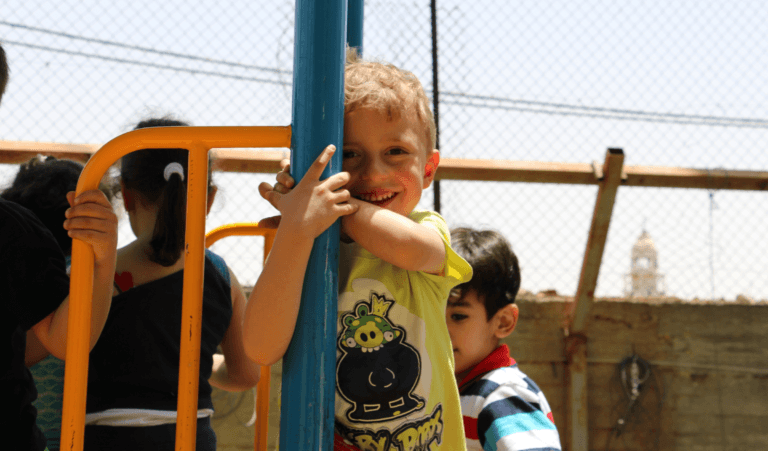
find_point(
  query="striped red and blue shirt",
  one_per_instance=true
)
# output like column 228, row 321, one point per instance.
column 504, row 409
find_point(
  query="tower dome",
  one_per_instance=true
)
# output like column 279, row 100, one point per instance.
column 644, row 245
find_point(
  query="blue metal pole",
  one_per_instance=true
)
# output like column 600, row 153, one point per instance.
column 306, row 421
column 355, row 25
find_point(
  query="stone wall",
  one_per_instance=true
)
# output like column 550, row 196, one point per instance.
column 707, row 389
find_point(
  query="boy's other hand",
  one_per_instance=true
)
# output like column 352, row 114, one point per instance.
column 313, row 205
column 271, row 222
column 284, row 180
column 283, row 185
column 91, row 219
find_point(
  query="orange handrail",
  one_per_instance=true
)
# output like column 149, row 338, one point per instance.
column 262, row 388
column 198, row 140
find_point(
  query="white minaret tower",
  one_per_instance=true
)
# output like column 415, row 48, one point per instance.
column 644, row 279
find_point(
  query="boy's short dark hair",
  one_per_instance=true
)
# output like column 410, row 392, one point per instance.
column 3, row 72
column 495, row 270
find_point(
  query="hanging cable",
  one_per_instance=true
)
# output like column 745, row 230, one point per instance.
column 712, row 208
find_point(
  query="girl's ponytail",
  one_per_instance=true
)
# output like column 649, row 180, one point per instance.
column 168, row 237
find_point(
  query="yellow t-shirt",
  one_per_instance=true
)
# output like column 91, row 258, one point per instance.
column 395, row 385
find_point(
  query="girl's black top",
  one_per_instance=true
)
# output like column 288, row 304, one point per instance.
column 135, row 363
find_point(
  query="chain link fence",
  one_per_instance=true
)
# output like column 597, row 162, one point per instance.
column 671, row 83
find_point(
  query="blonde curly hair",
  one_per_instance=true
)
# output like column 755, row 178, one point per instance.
column 386, row 88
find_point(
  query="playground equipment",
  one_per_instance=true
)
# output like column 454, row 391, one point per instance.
column 318, row 96
column 262, row 389
column 198, row 140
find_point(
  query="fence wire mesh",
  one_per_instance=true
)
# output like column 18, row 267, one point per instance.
column 671, row 83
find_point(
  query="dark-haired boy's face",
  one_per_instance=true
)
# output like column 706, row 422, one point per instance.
column 472, row 334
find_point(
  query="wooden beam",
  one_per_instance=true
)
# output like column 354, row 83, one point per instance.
column 515, row 171
column 248, row 160
column 669, row 177
column 598, row 233
column 576, row 431
column 228, row 160
column 584, row 174
column 15, row 152
column 268, row 161
column 576, row 339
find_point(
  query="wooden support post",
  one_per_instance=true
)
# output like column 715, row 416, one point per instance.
column 576, row 339
column 598, row 233
column 577, row 438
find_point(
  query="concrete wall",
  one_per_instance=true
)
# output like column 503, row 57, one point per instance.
column 708, row 388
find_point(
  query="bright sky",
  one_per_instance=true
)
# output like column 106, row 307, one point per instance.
column 672, row 83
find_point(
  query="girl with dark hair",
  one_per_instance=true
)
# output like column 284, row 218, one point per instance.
column 42, row 184
column 133, row 375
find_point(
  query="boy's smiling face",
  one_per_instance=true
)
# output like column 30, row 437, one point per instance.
column 389, row 159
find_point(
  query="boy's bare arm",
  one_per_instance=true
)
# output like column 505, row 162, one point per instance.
column 307, row 210
column 272, row 310
column 92, row 220
column 395, row 239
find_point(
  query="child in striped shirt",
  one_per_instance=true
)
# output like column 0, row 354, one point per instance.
column 503, row 409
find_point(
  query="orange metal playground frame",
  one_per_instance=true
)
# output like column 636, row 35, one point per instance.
column 199, row 141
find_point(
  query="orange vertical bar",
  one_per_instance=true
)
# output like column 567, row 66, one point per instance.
column 79, row 317
column 192, row 304
column 78, row 347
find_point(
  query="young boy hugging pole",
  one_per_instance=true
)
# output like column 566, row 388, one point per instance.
column 503, row 408
column 395, row 386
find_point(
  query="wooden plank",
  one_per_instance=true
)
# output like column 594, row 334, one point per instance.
column 584, row 174
column 576, row 342
column 268, row 161
column 577, row 407
column 720, row 179
column 15, row 152
column 515, row 171
column 598, row 234
column 248, row 160
column 228, row 160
